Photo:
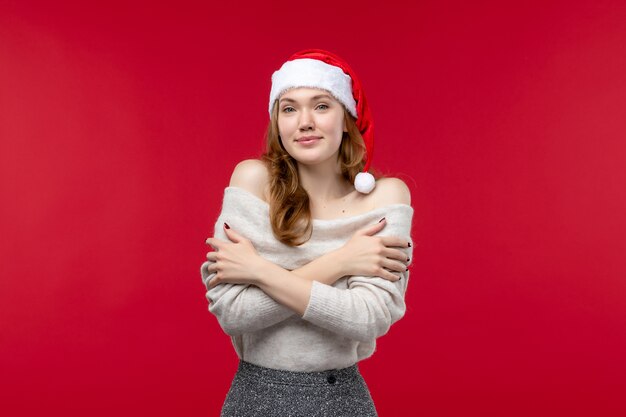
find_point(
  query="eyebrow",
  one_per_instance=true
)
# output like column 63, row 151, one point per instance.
column 312, row 98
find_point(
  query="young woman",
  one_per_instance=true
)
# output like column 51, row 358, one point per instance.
column 310, row 254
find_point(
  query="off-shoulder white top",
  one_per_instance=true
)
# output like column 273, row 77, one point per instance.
column 341, row 322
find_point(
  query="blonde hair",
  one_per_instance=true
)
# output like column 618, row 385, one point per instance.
column 290, row 213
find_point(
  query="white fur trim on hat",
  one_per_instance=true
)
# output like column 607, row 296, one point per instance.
column 306, row 72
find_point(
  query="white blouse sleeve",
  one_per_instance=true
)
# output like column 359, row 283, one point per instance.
column 367, row 308
column 241, row 308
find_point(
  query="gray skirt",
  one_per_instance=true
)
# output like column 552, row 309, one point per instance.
column 257, row 391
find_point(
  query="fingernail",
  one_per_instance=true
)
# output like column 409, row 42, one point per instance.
column 381, row 220
column 409, row 244
column 226, row 225
column 408, row 259
column 407, row 268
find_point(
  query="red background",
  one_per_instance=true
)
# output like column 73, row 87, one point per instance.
column 121, row 123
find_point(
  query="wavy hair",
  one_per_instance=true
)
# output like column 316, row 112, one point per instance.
column 290, row 212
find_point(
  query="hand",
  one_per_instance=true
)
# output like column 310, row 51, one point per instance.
column 235, row 262
column 370, row 255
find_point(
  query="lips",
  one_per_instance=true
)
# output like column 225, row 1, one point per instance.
column 307, row 139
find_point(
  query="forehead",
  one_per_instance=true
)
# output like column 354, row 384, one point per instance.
column 305, row 94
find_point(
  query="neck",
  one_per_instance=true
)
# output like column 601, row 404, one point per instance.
column 324, row 182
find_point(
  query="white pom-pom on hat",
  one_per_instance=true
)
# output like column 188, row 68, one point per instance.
column 336, row 77
column 364, row 182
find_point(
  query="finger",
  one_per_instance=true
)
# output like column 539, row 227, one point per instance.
column 394, row 266
column 213, row 283
column 212, row 266
column 372, row 229
column 212, row 256
column 395, row 241
column 389, row 276
column 215, row 242
column 232, row 235
column 395, row 254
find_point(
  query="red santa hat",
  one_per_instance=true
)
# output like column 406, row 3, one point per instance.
column 317, row 68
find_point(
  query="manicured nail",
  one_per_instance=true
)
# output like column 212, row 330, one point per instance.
column 408, row 259
column 409, row 244
column 381, row 220
column 407, row 268
column 226, row 225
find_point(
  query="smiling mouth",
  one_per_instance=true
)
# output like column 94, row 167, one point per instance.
column 308, row 139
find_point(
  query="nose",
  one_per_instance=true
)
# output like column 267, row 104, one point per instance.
column 306, row 120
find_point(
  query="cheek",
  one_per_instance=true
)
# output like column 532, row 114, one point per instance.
column 285, row 127
column 334, row 124
column 337, row 121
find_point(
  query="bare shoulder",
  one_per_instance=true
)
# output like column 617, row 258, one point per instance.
column 251, row 175
column 391, row 190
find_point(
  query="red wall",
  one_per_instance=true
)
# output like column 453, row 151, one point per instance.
column 119, row 128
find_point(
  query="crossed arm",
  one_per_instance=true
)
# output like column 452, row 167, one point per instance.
column 248, row 293
column 239, row 263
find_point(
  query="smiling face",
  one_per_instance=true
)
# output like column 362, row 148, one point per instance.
column 311, row 113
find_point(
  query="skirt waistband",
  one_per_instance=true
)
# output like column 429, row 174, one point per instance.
column 281, row 376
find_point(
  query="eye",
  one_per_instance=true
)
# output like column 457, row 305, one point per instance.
column 322, row 105
column 287, row 108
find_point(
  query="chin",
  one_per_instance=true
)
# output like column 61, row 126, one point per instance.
column 312, row 162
